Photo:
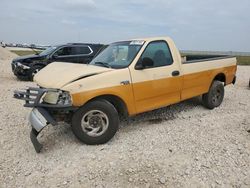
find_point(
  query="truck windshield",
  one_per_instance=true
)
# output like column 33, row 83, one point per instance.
column 48, row 50
column 118, row 55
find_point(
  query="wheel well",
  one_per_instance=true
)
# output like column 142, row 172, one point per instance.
column 117, row 102
column 220, row 77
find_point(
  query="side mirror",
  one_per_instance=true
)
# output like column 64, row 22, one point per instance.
column 143, row 63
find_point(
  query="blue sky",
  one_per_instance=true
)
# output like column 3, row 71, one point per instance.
column 194, row 25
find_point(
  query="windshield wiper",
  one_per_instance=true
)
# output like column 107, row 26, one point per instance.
column 103, row 64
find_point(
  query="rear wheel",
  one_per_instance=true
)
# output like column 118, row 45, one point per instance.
column 215, row 95
column 96, row 122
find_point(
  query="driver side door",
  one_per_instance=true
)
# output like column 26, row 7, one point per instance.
column 156, row 86
column 63, row 54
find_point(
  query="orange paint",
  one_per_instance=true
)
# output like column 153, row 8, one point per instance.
column 153, row 94
column 199, row 83
column 124, row 92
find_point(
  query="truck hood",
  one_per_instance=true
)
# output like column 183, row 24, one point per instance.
column 56, row 75
column 27, row 57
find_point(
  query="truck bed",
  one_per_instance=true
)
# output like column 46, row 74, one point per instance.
column 202, row 58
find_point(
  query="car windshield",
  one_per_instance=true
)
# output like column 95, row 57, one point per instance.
column 118, row 55
column 48, row 50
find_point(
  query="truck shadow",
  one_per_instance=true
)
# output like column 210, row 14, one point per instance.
column 164, row 114
column 55, row 139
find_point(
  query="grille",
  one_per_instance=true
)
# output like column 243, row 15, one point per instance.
column 31, row 96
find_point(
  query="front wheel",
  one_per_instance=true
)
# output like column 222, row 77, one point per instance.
column 96, row 122
column 215, row 95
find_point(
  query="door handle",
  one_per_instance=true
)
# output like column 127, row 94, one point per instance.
column 175, row 73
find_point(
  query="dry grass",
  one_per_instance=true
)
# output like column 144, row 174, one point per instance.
column 24, row 52
column 243, row 60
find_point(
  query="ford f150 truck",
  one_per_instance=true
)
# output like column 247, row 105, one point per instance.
column 125, row 79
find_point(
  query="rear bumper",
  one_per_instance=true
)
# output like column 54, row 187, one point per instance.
column 39, row 118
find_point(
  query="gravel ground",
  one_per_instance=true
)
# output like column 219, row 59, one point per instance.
column 183, row 145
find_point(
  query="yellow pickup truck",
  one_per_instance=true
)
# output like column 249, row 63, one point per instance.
column 125, row 79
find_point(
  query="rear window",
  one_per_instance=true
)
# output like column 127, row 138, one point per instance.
column 81, row 50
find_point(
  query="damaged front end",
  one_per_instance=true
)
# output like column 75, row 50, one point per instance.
column 49, row 107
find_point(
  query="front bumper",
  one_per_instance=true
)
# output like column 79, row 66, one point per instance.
column 39, row 118
column 42, row 114
column 19, row 69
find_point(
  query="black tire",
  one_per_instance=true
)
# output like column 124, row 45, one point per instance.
column 22, row 78
column 215, row 95
column 33, row 70
column 104, row 107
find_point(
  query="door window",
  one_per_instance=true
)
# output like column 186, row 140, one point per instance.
column 65, row 51
column 80, row 50
column 84, row 50
column 159, row 53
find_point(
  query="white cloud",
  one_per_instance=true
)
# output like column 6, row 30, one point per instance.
column 80, row 4
column 68, row 22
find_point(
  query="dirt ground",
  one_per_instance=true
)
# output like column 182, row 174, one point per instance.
column 183, row 145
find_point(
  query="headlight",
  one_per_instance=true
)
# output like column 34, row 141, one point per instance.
column 57, row 97
column 23, row 66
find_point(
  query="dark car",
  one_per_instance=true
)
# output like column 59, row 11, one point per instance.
column 25, row 67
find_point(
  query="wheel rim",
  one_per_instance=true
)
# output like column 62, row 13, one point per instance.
column 217, row 95
column 94, row 123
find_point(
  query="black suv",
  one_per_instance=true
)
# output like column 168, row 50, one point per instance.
column 25, row 67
